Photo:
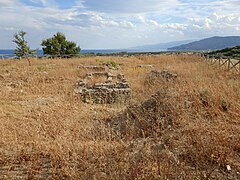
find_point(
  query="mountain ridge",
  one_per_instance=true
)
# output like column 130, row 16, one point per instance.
column 160, row 46
column 212, row 43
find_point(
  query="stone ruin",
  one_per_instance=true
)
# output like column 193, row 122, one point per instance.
column 157, row 77
column 105, row 66
column 144, row 66
column 163, row 74
column 103, row 88
column 111, row 65
column 92, row 68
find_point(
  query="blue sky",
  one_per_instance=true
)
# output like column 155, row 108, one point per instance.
column 117, row 23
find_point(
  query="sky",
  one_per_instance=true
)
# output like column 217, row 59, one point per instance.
column 111, row 24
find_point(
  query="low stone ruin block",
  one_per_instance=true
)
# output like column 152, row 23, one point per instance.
column 164, row 74
column 144, row 66
column 92, row 68
column 108, row 92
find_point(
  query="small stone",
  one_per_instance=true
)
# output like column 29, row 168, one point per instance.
column 228, row 168
column 188, row 104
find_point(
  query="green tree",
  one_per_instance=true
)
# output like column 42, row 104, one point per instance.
column 22, row 49
column 59, row 45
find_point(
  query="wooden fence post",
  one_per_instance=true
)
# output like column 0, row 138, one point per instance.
column 229, row 63
column 207, row 58
column 239, row 65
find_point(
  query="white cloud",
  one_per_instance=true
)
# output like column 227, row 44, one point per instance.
column 115, row 23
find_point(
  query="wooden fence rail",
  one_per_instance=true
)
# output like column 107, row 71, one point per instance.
column 223, row 61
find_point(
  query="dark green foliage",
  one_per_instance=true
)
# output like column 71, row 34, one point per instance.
column 113, row 64
column 22, row 49
column 58, row 45
column 233, row 52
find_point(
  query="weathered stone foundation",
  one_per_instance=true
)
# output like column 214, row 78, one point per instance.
column 114, row 89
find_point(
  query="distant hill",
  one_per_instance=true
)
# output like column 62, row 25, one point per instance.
column 160, row 46
column 233, row 52
column 213, row 43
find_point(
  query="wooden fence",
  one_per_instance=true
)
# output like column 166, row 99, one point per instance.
column 223, row 62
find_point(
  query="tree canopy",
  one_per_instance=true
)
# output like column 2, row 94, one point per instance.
column 22, row 49
column 59, row 45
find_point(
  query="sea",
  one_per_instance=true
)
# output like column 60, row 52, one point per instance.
column 10, row 53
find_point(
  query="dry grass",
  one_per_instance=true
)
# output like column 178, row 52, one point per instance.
column 47, row 132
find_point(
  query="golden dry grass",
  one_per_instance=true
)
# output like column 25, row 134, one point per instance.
column 47, row 132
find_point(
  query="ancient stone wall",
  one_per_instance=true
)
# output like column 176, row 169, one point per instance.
column 113, row 89
column 164, row 74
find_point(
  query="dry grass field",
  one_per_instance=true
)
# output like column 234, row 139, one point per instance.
column 183, row 128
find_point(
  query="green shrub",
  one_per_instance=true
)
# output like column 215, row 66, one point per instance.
column 42, row 68
column 113, row 64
